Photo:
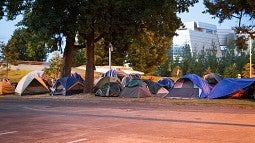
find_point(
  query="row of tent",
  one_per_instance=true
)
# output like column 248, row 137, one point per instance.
column 212, row 86
column 34, row 83
column 113, row 86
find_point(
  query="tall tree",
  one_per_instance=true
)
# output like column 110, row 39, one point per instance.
column 230, row 71
column 211, row 59
column 7, row 56
column 53, row 71
column 148, row 52
column 79, row 57
column 27, row 46
column 200, row 62
column 92, row 20
column 187, row 60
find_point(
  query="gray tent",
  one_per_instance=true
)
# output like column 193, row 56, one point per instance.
column 108, row 86
column 136, row 89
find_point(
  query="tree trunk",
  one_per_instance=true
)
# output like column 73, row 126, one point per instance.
column 90, row 66
column 67, row 57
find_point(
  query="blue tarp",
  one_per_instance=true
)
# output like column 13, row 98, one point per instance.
column 166, row 82
column 228, row 86
column 199, row 82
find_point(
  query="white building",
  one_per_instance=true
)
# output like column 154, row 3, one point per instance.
column 199, row 35
column 225, row 37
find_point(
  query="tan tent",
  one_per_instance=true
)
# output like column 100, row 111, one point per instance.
column 32, row 83
column 6, row 87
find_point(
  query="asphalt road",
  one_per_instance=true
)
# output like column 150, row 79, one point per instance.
column 53, row 120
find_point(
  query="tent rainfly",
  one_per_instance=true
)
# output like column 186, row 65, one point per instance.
column 190, row 86
column 68, row 86
column 136, row 89
column 233, row 88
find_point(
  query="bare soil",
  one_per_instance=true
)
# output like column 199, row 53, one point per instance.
column 89, row 119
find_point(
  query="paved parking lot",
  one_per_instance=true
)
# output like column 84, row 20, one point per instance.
column 116, row 121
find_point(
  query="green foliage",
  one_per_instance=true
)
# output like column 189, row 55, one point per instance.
column 230, row 72
column 212, row 59
column 177, row 72
column 14, row 75
column 8, row 57
column 206, row 61
column 199, row 62
column 246, row 70
column 165, row 69
column 149, row 52
column 79, row 57
column 120, row 22
column 27, row 46
column 8, row 54
column 228, row 9
column 102, row 53
column 208, row 71
column 187, row 61
column 53, row 72
column 241, row 43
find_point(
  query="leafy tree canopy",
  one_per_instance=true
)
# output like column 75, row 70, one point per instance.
column 230, row 9
column 116, row 21
column 53, row 72
column 27, row 46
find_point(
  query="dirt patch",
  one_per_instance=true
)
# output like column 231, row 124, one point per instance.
column 223, row 105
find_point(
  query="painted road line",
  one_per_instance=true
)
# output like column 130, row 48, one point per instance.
column 80, row 140
column 5, row 133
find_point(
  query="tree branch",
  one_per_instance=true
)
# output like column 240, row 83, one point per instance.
column 78, row 47
column 99, row 37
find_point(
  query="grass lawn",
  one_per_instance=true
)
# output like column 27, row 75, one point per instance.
column 13, row 75
column 16, row 75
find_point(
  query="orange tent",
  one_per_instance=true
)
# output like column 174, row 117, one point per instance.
column 6, row 87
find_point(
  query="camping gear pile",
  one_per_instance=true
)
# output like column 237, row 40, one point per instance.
column 119, row 84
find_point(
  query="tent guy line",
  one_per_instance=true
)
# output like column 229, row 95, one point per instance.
column 5, row 133
column 79, row 140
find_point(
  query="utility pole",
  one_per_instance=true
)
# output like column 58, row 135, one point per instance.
column 250, row 39
column 110, row 55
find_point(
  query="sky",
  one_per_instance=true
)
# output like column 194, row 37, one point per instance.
column 195, row 14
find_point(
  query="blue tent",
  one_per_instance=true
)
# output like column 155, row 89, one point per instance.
column 77, row 76
column 199, row 82
column 229, row 86
column 111, row 72
column 68, row 86
column 190, row 86
column 166, row 82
